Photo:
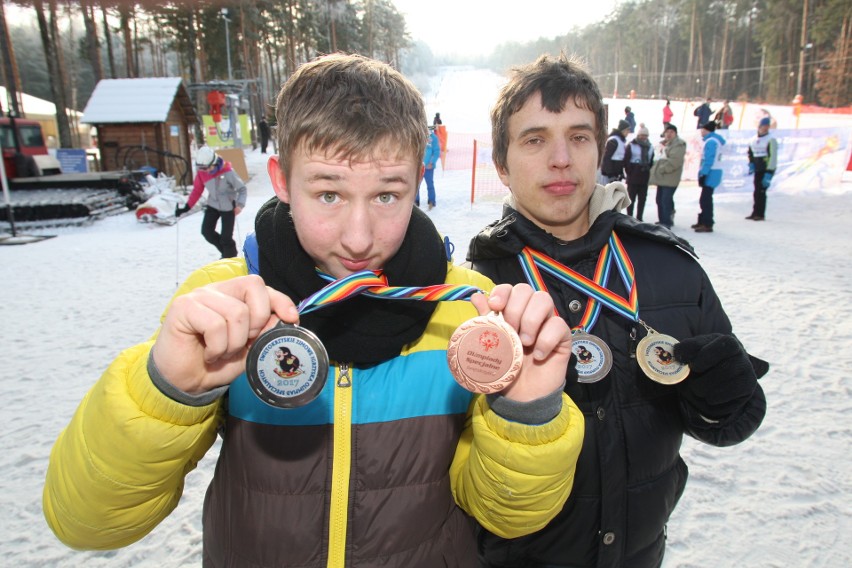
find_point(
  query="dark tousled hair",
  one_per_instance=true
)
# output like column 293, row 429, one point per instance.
column 557, row 79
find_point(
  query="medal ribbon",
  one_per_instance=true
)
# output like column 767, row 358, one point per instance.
column 614, row 252
column 593, row 307
column 375, row 285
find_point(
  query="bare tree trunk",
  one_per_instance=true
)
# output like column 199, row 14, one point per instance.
column 691, row 59
column 291, row 41
column 724, row 56
column 56, row 74
column 73, row 71
column 93, row 48
column 137, row 68
column 11, row 77
column 124, row 12
column 108, row 40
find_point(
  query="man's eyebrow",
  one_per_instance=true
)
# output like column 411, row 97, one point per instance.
column 583, row 126
column 321, row 176
column 394, row 178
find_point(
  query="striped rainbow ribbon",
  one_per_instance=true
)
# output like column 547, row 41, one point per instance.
column 375, row 285
column 613, row 252
column 593, row 307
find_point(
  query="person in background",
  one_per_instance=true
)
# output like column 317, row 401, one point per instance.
column 226, row 198
column 668, row 113
column 709, row 175
column 703, row 112
column 638, row 159
column 630, row 118
column 725, row 116
column 666, row 173
column 391, row 463
column 264, row 132
column 548, row 129
column 762, row 161
column 441, row 133
column 430, row 159
column 612, row 166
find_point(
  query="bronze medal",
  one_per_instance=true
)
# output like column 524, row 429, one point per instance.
column 287, row 366
column 655, row 356
column 594, row 358
column 485, row 354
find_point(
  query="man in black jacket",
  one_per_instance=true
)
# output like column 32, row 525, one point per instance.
column 664, row 361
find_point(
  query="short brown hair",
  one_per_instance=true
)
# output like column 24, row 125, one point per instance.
column 349, row 106
column 557, row 79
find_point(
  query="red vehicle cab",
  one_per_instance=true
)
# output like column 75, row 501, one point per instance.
column 29, row 139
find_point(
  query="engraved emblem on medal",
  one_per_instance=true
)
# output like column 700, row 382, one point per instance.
column 655, row 355
column 485, row 354
column 287, row 366
column 594, row 358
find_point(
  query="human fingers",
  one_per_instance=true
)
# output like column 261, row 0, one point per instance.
column 494, row 301
column 553, row 336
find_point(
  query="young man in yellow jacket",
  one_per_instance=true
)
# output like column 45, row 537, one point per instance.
column 390, row 461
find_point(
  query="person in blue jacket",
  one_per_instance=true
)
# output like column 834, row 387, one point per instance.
column 709, row 175
column 430, row 160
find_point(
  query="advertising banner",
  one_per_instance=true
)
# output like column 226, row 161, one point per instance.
column 808, row 159
column 222, row 134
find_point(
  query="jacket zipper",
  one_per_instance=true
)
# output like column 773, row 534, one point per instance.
column 341, row 467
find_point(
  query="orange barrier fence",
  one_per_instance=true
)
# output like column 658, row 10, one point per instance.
column 485, row 184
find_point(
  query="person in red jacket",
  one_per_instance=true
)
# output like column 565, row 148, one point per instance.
column 226, row 197
column 668, row 113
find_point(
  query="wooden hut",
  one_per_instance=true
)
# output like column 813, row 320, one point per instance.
column 143, row 123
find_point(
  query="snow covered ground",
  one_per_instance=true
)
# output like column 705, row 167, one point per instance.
column 781, row 499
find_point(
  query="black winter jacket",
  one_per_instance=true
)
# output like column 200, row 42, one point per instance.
column 630, row 474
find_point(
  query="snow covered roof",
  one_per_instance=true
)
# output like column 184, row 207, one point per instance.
column 32, row 105
column 136, row 100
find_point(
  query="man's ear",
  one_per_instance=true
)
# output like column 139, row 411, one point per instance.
column 279, row 181
column 503, row 174
column 422, row 173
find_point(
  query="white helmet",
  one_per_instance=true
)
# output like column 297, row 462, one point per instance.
column 205, row 157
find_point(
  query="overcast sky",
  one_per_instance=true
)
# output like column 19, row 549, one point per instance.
column 475, row 27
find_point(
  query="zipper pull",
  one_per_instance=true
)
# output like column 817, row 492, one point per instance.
column 632, row 345
column 343, row 380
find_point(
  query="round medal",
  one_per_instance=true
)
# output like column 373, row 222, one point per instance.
column 287, row 366
column 594, row 358
column 485, row 354
column 655, row 356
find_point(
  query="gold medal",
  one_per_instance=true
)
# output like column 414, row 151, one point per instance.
column 485, row 354
column 594, row 358
column 655, row 354
column 287, row 366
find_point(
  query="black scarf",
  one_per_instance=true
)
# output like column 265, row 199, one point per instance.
column 360, row 330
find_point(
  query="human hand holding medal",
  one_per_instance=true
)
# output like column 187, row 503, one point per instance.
column 204, row 338
column 517, row 345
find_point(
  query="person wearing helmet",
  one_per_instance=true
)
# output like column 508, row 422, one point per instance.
column 226, row 197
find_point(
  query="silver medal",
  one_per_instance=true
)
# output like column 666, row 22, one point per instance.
column 594, row 358
column 287, row 366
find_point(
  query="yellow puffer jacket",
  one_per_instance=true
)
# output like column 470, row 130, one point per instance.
column 118, row 468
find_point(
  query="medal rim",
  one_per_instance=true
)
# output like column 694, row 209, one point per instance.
column 606, row 354
column 649, row 371
column 506, row 378
column 287, row 330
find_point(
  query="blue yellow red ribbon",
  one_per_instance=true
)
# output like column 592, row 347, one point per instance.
column 533, row 262
column 374, row 283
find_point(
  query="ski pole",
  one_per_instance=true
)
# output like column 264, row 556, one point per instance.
column 177, row 252
column 237, row 226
